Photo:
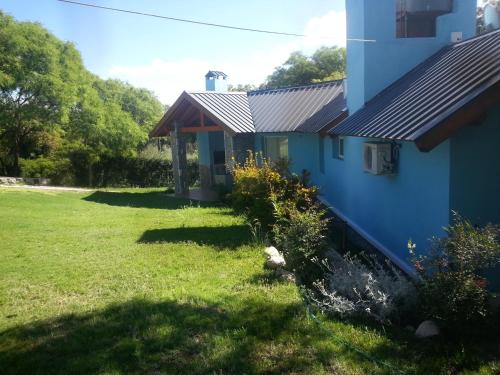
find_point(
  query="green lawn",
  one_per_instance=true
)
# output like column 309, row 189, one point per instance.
column 137, row 282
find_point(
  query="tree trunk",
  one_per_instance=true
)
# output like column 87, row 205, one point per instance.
column 16, row 169
column 90, row 174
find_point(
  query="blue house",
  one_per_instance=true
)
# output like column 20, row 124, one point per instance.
column 421, row 139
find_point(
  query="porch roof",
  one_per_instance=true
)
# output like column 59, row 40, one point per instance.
column 229, row 110
column 307, row 108
column 451, row 89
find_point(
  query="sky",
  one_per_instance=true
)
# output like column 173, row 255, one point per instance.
column 168, row 57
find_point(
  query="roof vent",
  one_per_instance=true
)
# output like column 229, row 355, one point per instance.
column 456, row 36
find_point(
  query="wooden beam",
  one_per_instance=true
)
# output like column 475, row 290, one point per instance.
column 201, row 129
column 470, row 114
column 334, row 123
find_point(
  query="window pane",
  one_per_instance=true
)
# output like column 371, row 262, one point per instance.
column 283, row 147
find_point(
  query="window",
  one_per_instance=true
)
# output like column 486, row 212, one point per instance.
column 341, row 147
column 338, row 147
column 276, row 148
column 417, row 18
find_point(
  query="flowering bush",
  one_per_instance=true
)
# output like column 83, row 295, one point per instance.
column 256, row 186
column 302, row 237
column 364, row 287
column 453, row 291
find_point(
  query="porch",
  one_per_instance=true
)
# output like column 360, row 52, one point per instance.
column 220, row 140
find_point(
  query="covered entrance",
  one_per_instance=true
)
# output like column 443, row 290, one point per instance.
column 224, row 134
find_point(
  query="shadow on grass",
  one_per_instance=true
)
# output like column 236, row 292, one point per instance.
column 250, row 336
column 143, row 200
column 228, row 237
column 266, row 278
column 146, row 337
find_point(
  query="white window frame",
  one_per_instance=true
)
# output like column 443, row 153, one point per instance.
column 341, row 148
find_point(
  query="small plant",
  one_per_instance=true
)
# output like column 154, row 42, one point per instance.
column 257, row 183
column 301, row 234
column 453, row 290
column 363, row 287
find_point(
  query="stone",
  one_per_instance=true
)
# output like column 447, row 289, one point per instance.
column 285, row 275
column 275, row 262
column 271, row 251
column 274, row 259
column 427, row 328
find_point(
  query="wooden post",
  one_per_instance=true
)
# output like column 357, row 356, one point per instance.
column 179, row 160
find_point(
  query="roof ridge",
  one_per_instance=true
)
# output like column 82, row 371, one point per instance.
column 476, row 37
column 218, row 92
column 291, row 87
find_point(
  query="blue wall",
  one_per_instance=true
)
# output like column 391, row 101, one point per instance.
column 302, row 151
column 475, row 171
column 216, row 84
column 413, row 203
column 203, row 144
column 207, row 143
column 373, row 66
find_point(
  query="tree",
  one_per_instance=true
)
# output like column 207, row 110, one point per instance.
column 327, row 63
column 241, row 88
column 35, row 72
column 141, row 104
column 51, row 107
column 493, row 5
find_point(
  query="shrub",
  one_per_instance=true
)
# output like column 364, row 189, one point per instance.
column 255, row 187
column 58, row 170
column 452, row 290
column 364, row 287
column 301, row 235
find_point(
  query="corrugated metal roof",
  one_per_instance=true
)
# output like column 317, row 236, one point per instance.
column 302, row 108
column 215, row 73
column 231, row 108
column 430, row 93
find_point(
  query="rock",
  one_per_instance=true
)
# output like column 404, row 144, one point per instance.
column 427, row 328
column 285, row 275
column 272, row 251
column 275, row 262
column 274, row 259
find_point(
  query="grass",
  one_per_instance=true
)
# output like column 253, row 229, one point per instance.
column 137, row 282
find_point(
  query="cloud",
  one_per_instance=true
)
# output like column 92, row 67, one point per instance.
column 332, row 24
column 167, row 79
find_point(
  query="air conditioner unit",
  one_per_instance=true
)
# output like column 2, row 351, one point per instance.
column 377, row 158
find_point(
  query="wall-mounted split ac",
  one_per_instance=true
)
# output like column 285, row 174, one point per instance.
column 378, row 158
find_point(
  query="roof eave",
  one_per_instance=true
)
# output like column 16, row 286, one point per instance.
column 469, row 111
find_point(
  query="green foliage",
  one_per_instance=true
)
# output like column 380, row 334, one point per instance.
column 37, row 78
column 138, row 172
column 301, row 235
column 51, row 107
column 453, row 289
column 59, row 171
column 327, row 63
column 241, row 88
column 256, row 187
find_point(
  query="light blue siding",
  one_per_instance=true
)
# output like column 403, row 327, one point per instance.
column 203, row 145
column 414, row 203
column 372, row 66
column 475, row 171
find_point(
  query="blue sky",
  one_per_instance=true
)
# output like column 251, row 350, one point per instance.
column 168, row 57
